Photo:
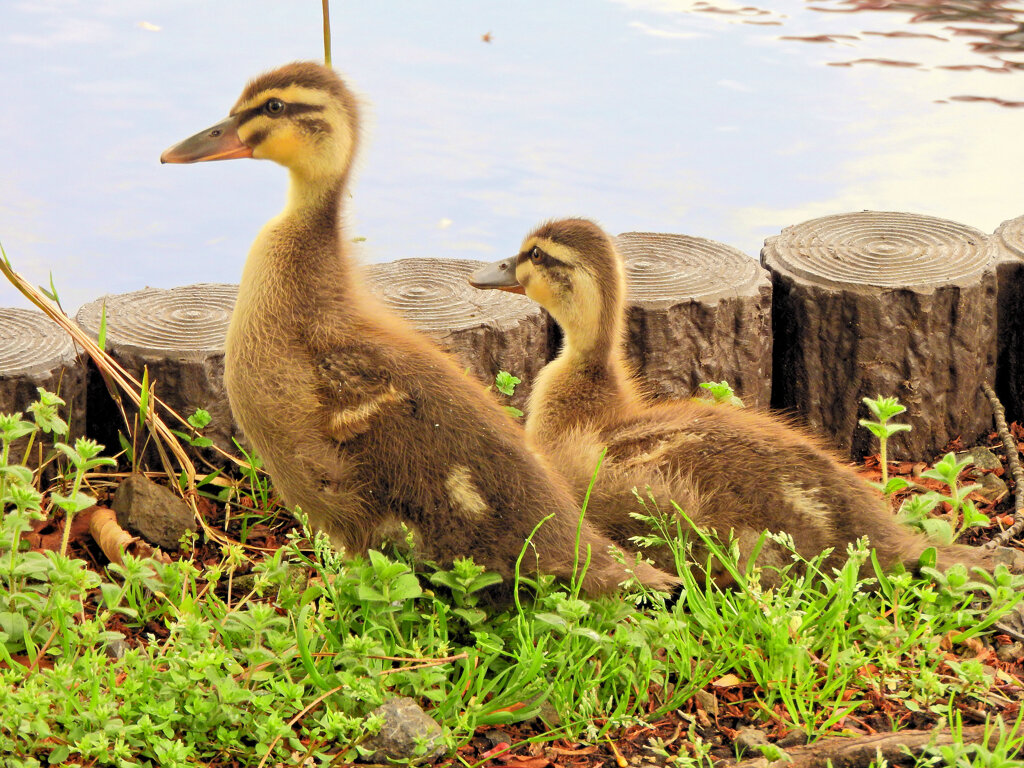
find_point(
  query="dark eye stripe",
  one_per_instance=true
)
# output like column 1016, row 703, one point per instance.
column 549, row 260
column 291, row 108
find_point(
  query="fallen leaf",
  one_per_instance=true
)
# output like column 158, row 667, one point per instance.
column 727, row 681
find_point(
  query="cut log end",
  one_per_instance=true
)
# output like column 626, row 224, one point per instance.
column 436, row 297
column 1010, row 236
column 192, row 318
column 32, row 345
column 666, row 267
column 880, row 249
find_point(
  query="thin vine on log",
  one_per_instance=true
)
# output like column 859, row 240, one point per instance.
column 1013, row 461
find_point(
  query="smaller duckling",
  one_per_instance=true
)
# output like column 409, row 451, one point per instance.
column 732, row 470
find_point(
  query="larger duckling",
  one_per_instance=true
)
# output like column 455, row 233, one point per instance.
column 730, row 469
column 361, row 421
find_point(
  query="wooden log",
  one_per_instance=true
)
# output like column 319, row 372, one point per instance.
column 698, row 311
column 178, row 335
column 36, row 352
column 486, row 331
column 1009, row 238
column 876, row 303
column 899, row 748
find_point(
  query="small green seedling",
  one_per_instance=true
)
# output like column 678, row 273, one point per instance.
column 916, row 509
column 506, row 383
column 722, row 393
column 883, row 409
column 84, row 456
column 198, row 421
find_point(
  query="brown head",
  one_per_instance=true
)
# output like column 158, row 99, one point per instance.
column 301, row 115
column 571, row 268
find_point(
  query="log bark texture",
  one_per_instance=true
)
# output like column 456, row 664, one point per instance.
column 178, row 335
column 875, row 303
column 36, row 352
column 902, row 748
column 1009, row 237
column 698, row 311
column 486, row 331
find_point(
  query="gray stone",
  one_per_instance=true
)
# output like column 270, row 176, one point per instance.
column 152, row 511
column 992, row 487
column 981, row 457
column 795, row 738
column 408, row 734
column 115, row 647
column 749, row 739
column 1011, row 653
column 707, row 702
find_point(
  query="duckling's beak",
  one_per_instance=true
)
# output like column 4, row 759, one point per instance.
column 219, row 142
column 500, row 275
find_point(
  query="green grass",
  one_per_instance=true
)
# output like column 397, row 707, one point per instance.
column 287, row 661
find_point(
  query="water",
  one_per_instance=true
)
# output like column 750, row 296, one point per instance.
column 714, row 120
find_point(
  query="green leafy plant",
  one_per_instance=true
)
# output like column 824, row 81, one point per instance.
column 722, row 393
column 198, row 421
column 506, row 383
column 962, row 512
column 883, row 409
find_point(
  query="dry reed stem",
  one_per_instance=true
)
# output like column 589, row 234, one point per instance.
column 114, row 374
column 1013, row 461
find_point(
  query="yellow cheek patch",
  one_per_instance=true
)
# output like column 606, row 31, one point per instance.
column 281, row 145
column 540, row 291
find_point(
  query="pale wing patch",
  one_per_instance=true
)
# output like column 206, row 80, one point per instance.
column 664, row 449
column 346, row 423
column 803, row 503
column 463, row 494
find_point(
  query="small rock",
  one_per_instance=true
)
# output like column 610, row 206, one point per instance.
column 707, row 702
column 992, row 487
column 749, row 739
column 408, row 734
column 152, row 511
column 496, row 737
column 795, row 738
column 981, row 457
column 1011, row 653
column 115, row 647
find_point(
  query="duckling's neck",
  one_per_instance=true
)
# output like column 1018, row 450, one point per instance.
column 587, row 383
column 314, row 196
column 302, row 248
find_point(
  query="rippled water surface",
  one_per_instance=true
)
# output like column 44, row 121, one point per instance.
column 703, row 118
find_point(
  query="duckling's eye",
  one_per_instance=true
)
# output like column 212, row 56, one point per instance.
column 274, row 107
column 536, row 255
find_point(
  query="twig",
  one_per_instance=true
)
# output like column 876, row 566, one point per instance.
column 327, row 32
column 871, row 750
column 1013, row 461
column 305, row 710
column 430, row 663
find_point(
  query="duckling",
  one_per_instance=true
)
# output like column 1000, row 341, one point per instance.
column 362, row 422
column 730, row 469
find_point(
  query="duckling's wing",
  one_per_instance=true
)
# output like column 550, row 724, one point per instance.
column 355, row 388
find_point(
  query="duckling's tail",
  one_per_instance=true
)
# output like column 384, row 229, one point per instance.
column 897, row 543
